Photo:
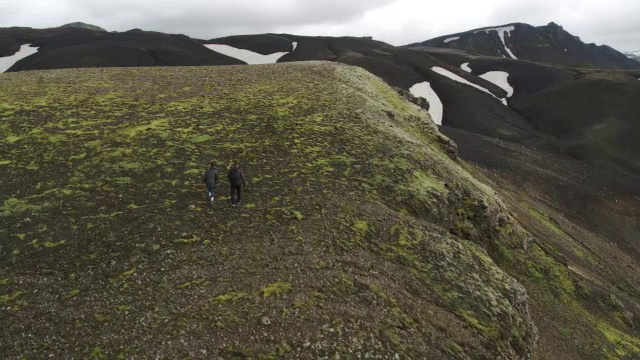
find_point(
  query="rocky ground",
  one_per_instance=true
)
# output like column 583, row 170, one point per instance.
column 360, row 232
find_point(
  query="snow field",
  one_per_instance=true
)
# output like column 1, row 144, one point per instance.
column 466, row 67
column 448, row 40
column 454, row 77
column 250, row 57
column 501, row 31
column 499, row 78
column 8, row 61
column 425, row 91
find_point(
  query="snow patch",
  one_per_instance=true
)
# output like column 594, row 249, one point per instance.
column 295, row 45
column 448, row 40
column 425, row 91
column 247, row 56
column 7, row 61
column 465, row 67
column 454, row 77
column 501, row 31
column 499, row 78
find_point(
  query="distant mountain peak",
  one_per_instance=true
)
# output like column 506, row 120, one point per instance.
column 549, row 43
column 82, row 25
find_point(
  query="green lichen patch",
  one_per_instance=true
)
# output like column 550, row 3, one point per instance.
column 277, row 288
column 73, row 293
column 10, row 297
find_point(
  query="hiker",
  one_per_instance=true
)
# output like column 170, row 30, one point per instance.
column 210, row 179
column 236, row 181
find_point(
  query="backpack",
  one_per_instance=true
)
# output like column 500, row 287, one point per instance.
column 234, row 176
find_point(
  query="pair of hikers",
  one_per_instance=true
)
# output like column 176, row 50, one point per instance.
column 236, row 182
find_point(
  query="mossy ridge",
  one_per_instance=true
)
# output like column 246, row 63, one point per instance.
column 307, row 131
column 555, row 287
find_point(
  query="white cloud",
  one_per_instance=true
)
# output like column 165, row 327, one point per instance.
column 394, row 21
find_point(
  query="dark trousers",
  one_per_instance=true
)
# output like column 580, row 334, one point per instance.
column 211, row 191
column 235, row 193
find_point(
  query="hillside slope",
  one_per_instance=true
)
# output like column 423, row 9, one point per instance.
column 576, row 112
column 358, row 235
column 587, row 114
column 549, row 43
column 465, row 106
column 73, row 47
column 340, row 244
column 586, row 216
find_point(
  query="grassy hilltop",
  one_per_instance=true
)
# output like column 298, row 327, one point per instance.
column 358, row 234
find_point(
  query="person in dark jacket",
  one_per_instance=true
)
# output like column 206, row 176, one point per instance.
column 236, row 181
column 210, row 179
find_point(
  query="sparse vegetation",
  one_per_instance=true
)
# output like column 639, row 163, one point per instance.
column 355, row 215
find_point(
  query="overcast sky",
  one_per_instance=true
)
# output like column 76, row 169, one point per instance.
column 398, row 22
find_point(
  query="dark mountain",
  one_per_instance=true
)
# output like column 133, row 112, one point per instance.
column 73, row 47
column 634, row 55
column 596, row 124
column 82, row 25
column 586, row 114
column 403, row 68
column 549, row 43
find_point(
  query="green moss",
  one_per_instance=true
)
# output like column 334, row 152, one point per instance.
column 230, row 297
column 342, row 284
column 196, row 282
column 10, row 297
column 128, row 272
column 52, row 244
column 11, row 139
column 390, row 96
column 139, row 129
column 391, row 337
column 101, row 317
column 544, row 219
column 623, row 344
column 16, row 207
column 97, row 353
column 489, row 330
column 196, row 139
column 72, row 293
column 191, row 240
column 295, row 214
column 454, row 349
column 121, row 181
column 360, row 227
column 276, row 289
